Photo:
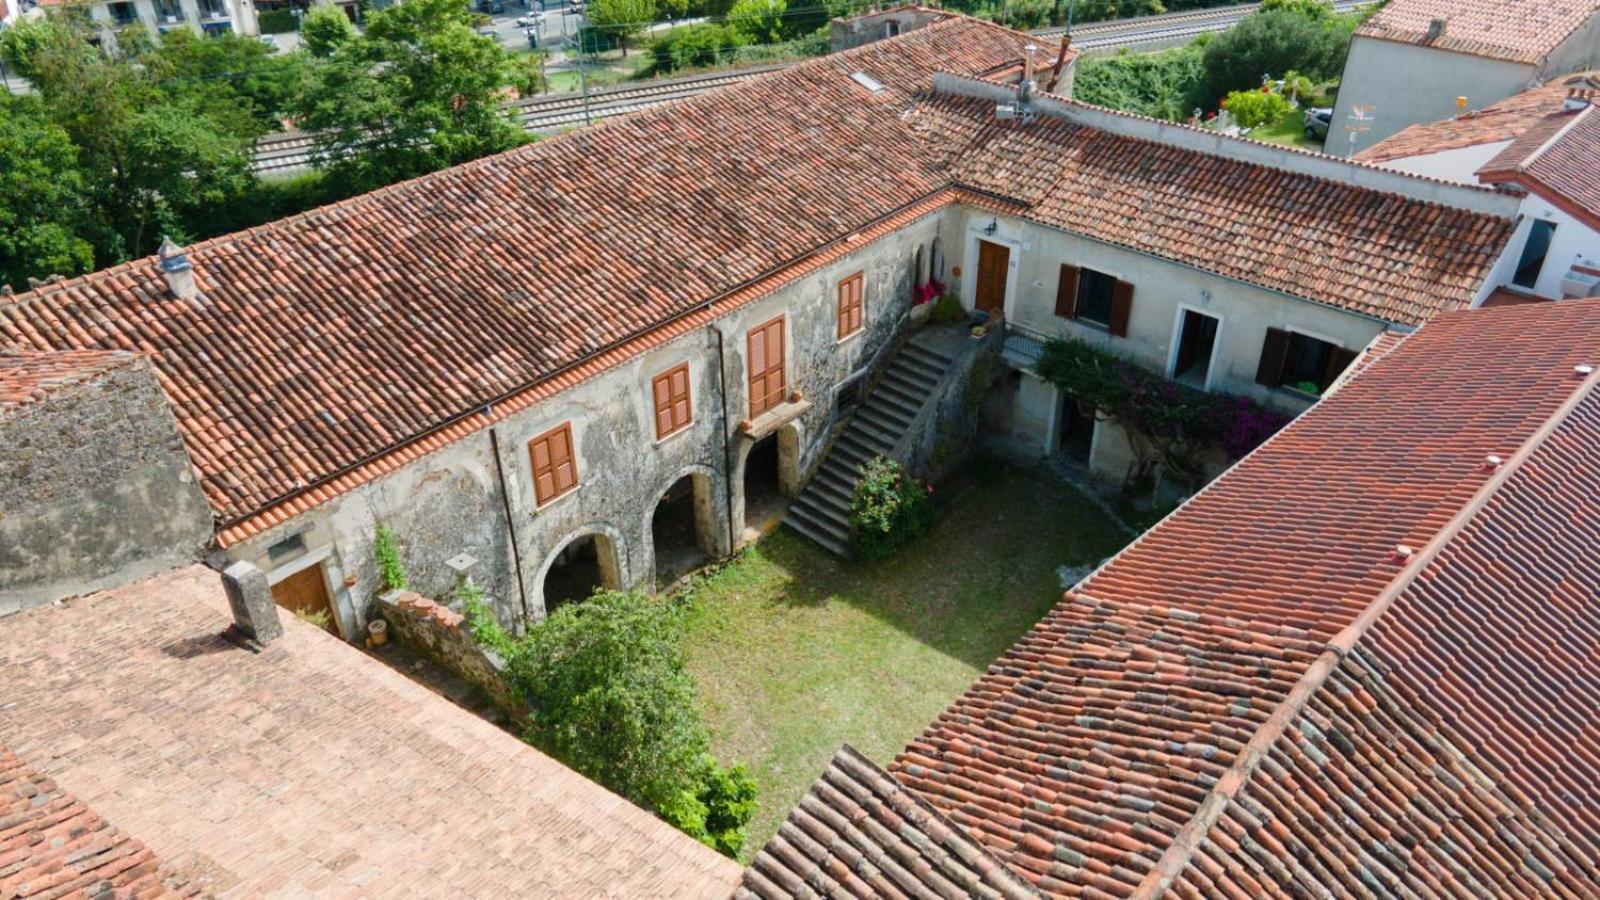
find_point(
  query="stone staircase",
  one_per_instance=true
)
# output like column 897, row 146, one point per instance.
column 822, row 511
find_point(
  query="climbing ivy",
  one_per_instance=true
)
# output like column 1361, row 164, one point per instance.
column 386, row 550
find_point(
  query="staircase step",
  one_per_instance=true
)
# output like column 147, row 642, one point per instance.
column 902, row 405
column 927, row 357
column 909, row 385
column 810, row 529
column 899, row 392
column 930, row 368
column 880, row 439
column 884, row 419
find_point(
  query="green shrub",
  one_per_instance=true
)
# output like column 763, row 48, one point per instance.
column 890, row 508
column 609, row 695
column 696, row 46
column 277, row 21
column 947, row 309
column 1255, row 108
column 386, row 550
column 1272, row 42
column 1155, row 84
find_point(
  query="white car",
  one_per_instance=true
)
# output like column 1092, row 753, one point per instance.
column 531, row 20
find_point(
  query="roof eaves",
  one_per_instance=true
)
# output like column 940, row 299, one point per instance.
column 1180, row 852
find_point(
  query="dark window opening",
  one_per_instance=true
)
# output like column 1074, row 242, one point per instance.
column 1095, row 293
column 763, row 496
column 1077, row 429
column 575, row 574
column 674, row 530
column 123, row 13
column 293, row 545
column 1534, row 252
column 1197, row 338
column 891, row 28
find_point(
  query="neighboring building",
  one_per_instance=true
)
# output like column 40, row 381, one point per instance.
column 1424, row 60
column 1542, row 146
column 1361, row 663
column 160, row 16
column 530, row 366
column 145, row 751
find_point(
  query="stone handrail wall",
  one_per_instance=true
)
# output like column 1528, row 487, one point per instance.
column 441, row 634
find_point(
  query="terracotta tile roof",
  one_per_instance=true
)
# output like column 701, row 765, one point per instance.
column 859, row 833
column 1523, row 31
column 1375, row 253
column 326, row 338
column 52, row 845
column 1559, row 159
column 310, row 768
column 1503, row 121
column 31, row 377
column 1262, row 697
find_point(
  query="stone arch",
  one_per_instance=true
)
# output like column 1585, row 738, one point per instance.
column 919, row 270
column 610, row 561
column 709, row 531
column 788, row 440
column 936, row 260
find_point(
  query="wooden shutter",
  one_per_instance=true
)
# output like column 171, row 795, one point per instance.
column 850, row 304
column 1121, row 308
column 555, row 471
column 1274, row 353
column 765, row 343
column 670, row 393
column 1339, row 360
column 1067, row 293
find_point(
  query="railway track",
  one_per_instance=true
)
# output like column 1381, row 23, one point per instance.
column 290, row 153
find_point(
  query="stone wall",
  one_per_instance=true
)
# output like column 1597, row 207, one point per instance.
column 941, row 438
column 440, row 633
column 96, row 489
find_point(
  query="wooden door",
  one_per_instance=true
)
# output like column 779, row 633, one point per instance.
column 306, row 592
column 993, row 261
column 767, row 385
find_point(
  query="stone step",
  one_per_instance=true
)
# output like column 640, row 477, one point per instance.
column 872, row 436
column 884, row 419
column 809, row 527
column 915, row 361
column 911, row 385
column 905, row 406
column 924, row 355
column 898, row 392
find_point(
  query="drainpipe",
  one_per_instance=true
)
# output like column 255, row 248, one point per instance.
column 511, row 522
column 727, row 445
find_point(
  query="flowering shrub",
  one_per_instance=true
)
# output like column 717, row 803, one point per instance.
column 926, row 293
column 1179, row 421
column 889, row 509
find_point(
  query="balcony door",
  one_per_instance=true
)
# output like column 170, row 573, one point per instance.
column 765, row 358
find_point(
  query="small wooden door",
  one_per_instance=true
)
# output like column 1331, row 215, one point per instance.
column 767, row 384
column 993, row 261
column 306, row 592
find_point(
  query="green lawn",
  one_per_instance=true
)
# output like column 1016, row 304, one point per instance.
column 797, row 652
column 1291, row 131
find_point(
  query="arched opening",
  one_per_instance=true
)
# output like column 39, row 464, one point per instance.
column 582, row 565
column 919, row 274
column 683, row 528
column 936, row 262
column 770, row 478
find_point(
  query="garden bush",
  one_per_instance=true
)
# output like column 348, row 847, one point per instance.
column 1272, row 42
column 947, row 309
column 696, row 46
column 1155, row 84
column 277, row 21
column 609, row 695
column 890, row 508
column 1252, row 109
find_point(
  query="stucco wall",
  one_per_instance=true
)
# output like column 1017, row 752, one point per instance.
column 96, row 490
column 1406, row 84
column 450, row 501
column 1580, row 52
column 1161, row 290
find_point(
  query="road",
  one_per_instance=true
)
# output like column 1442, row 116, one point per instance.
column 288, row 154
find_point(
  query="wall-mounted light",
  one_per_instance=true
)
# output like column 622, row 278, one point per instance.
column 991, row 228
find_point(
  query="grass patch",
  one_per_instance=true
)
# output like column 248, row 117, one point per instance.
column 1290, row 132
column 796, row 652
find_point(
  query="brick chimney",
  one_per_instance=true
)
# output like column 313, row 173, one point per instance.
column 255, row 614
column 177, row 270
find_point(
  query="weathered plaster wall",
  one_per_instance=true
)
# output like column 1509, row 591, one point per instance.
column 96, row 489
column 1407, row 84
column 450, row 502
column 1162, row 290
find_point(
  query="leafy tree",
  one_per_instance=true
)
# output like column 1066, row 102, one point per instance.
column 324, row 30
column 609, row 696
column 1155, row 84
column 418, row 91
column 43, row 211
column 701, row 44
column 1311, row 9
column 1253, row 108
column 759, row 20
column 240, row 66
column 1269, row 43
column 621, row 20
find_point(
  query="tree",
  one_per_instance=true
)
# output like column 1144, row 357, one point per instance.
column 418, row 91
column 1155, row 84
column 621, row 20
column 43, row 211
column 239, row 66
column 1258, row 107
column 759, row 20
column 698, row 45
column 610, row 696
column 324, row 30
column 1268, row 43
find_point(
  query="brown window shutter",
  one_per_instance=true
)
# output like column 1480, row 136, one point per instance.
column 682, row 409
column 850, row 297
column 670, row 392
column 554, row 470
column 566, row 466
column 1121, row 308
column 1339, row 360
column 1274, row 353
column 1067, row 293
column 661, row 389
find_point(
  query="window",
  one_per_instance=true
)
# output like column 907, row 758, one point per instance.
column 123, row 13
column 850, row 303
column 555, row 471
column 294, row 545
column 1094, row 297
column 670, row 390
column 765, row 359
column 1533, row 254
column 1302, row 362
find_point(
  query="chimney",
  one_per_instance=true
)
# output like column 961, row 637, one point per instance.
column 1576, row 101
column 1061, row 60
column 1436, row 29
column 1027, row 62
column 179, row 273
column 255, row 614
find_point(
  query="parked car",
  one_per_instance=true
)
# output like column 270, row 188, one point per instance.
column 270, row 41
column 1317, row 121
column 531, row 20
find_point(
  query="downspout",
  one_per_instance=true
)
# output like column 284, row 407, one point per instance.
column 511, row 523
column 727, row 445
